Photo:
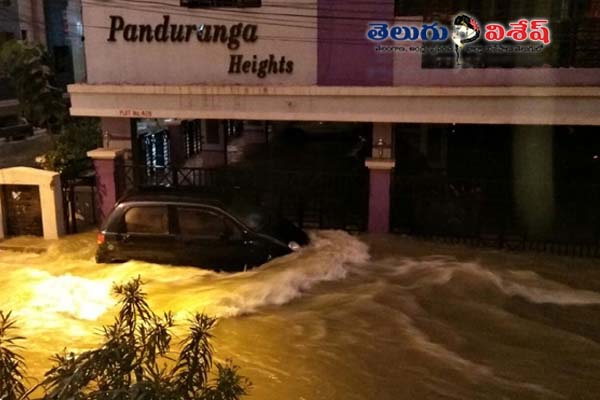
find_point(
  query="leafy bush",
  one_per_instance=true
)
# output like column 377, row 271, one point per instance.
column 27, row 67
column 126, row 366
column 11, row 364
column 68, row 155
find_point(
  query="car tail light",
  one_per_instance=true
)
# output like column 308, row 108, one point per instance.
column 100, row 239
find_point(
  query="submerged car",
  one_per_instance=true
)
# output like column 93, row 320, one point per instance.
column 195, row 230
column 13, row 127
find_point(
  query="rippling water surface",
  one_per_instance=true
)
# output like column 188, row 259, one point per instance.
column 347, row 318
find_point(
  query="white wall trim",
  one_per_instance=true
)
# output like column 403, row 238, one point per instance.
column 484, row 105
column 385, row 91
column 104, row 154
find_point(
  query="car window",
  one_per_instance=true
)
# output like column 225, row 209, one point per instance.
column 147, row 220
column 197, row 222
column 9, row 121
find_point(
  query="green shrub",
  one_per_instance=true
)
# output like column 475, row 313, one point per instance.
column 68, row 154
column 127, row 365
column 26, row 66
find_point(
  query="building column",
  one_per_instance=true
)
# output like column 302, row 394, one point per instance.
column 177, row 142
column 2, row 219
column 534, row 178
column 110, row 176
column 53, row 220
column 380, row 177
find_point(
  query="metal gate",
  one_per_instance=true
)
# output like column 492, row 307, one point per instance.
column 312, row 199
column 23, row 210
column 483, row 213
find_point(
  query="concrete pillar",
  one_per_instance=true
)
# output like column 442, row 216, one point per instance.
column 2, row 219
column 534, row 178
column 380, row 177
column 110, row 175
column 52, row 208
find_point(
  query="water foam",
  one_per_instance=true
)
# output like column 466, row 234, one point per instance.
column 439, row 271
column 285, row 279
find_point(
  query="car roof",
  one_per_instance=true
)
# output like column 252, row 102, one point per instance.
column 168, row 195
column 235, row 205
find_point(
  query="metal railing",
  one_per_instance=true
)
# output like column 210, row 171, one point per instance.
column 312, row 199
column 77, row 209
column 485, row 213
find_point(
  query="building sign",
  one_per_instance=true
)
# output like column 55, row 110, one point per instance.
column 232, row 37
column 135, row 113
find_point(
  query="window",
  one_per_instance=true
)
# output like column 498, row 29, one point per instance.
column 153, row 220
column 233, row 128
column 219, row 3
column 196, row 222
column 192, row 131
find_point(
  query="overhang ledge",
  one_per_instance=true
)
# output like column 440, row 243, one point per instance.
column 355, row 91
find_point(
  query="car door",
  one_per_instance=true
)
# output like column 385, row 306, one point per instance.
column 211, row 239
column 147, row 234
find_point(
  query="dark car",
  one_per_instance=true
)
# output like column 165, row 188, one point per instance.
column 195, row 230
column 13, row 127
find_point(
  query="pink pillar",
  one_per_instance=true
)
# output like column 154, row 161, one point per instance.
column 379, row 194
column 379, row 201
column 108, row 164
column 380, row 169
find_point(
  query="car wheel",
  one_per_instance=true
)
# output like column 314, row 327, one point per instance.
column 102, row 260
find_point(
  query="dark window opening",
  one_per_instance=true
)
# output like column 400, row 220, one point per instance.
column 212, row 131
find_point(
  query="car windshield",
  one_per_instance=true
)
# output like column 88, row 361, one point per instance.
column 254, row 217
column 10, row 121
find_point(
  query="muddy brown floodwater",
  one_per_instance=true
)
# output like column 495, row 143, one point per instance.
column 350, row 317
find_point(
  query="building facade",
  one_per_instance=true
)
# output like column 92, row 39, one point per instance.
column 182, row 78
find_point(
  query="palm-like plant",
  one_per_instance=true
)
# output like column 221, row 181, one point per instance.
column 131, row 363
column 127, row 365
column 11, row 364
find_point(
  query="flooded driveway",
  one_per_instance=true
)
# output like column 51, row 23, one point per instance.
column 347, row 318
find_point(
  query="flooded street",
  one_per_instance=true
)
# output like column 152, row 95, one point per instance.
column 349, row 317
